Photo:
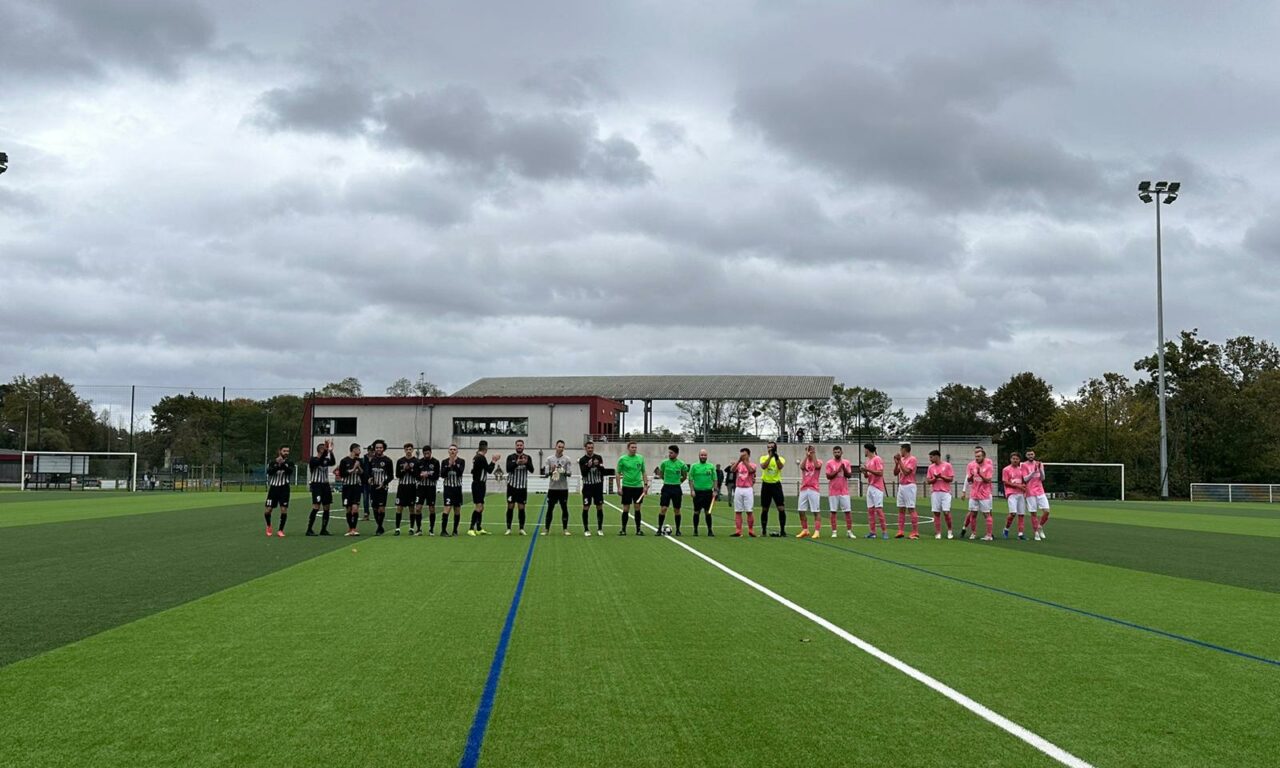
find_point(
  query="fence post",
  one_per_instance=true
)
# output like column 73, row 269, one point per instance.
column 1228, row 493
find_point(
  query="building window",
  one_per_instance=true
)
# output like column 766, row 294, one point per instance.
column 344, row 426
column 489, row 427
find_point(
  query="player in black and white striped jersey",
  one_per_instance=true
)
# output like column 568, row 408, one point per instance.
column 407, row 486
column 350, row 472
column 320, row 487
column 381, row 472
column 481, row 467
column 519, row 465
column 428, row 475
column 279, row 473
column 452, row 470
column 591, row 468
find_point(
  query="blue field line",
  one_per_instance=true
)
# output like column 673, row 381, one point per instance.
column 480, row 724
column 1059, row 606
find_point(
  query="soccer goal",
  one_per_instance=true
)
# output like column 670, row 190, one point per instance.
column 1232, row 492
column 75, row 471
column 1078, row 480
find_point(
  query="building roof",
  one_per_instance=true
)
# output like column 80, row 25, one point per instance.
column 655, row 387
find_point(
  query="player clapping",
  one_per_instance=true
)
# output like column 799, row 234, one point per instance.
column 351, row 471
column 1015, row 493
column 940, row 476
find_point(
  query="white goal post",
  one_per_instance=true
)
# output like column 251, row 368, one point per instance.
column 1233, row 492
column 1049, row 475
column 71, row 464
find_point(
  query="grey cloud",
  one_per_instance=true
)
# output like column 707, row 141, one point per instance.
column 457, row 124
column 892, row 128
column 1263, row 238
column 336, row 107
column 82, row 37
column 572, row 82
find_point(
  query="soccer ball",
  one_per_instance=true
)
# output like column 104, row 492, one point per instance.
column 666, row 530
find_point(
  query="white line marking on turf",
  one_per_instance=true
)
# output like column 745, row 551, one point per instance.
column 995, row 718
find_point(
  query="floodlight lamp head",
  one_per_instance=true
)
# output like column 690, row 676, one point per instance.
column 4, row 162
column 1174, row 186
column 1169, row 199
column 1160, row 185
column 1144, row 186
column 1144, row 197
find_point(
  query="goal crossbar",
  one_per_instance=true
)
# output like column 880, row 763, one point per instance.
column 132, row 456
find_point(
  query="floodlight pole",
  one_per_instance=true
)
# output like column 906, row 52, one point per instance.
column 1164, row 425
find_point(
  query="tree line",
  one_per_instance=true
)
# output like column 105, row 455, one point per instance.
column 1223, row 417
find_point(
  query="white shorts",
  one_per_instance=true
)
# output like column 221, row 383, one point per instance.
column 839, row 504
column 1036, row 503
column 941, row 501
column 907, row 496
column 743, row 499
column 810, row 501
column 875, row 497
column 980, row 505
column 1017, row 504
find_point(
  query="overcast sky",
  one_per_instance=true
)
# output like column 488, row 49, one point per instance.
column 898, row 194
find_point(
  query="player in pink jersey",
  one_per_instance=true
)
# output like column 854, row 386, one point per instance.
column 940, row 476
column 838, row 471
column 1037, row 499
column 977, row 487
column 873, row 471
column 1015, row 492
column 810, row 497
column 904, row 468
column 744, row 493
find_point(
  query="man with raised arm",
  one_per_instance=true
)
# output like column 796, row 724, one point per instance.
column 320, row 487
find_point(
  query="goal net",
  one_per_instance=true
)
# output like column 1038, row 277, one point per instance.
column 1095, row 482
column 1233, row 492
column 71, row 471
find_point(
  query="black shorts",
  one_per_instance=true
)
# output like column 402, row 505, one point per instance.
column 557, row 496
column 672, row 496
column 702, row 500
column 377, row 497
column 593, row 494
column 406, row 495
column 278, row 496
column 631, row 495
column 453, row 496
column 321, row 493
column 351, row 494
column 772, row 493
column 427, row 495
column 517, row 495
column 478, row 490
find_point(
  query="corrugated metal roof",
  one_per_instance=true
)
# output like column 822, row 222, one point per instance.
column 655, row 387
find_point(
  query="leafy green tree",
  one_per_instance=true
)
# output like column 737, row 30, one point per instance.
column 1021, row 408
column 956, row 409
column 348, row 387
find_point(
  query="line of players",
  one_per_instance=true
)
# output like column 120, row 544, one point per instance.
column 418, row 478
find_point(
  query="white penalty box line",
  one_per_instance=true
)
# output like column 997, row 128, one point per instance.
column 1035, row 740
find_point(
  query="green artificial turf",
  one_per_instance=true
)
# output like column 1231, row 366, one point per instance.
column 630, row 651
column 35, row 508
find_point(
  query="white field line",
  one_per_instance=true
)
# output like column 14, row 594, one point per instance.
column 995, row 718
